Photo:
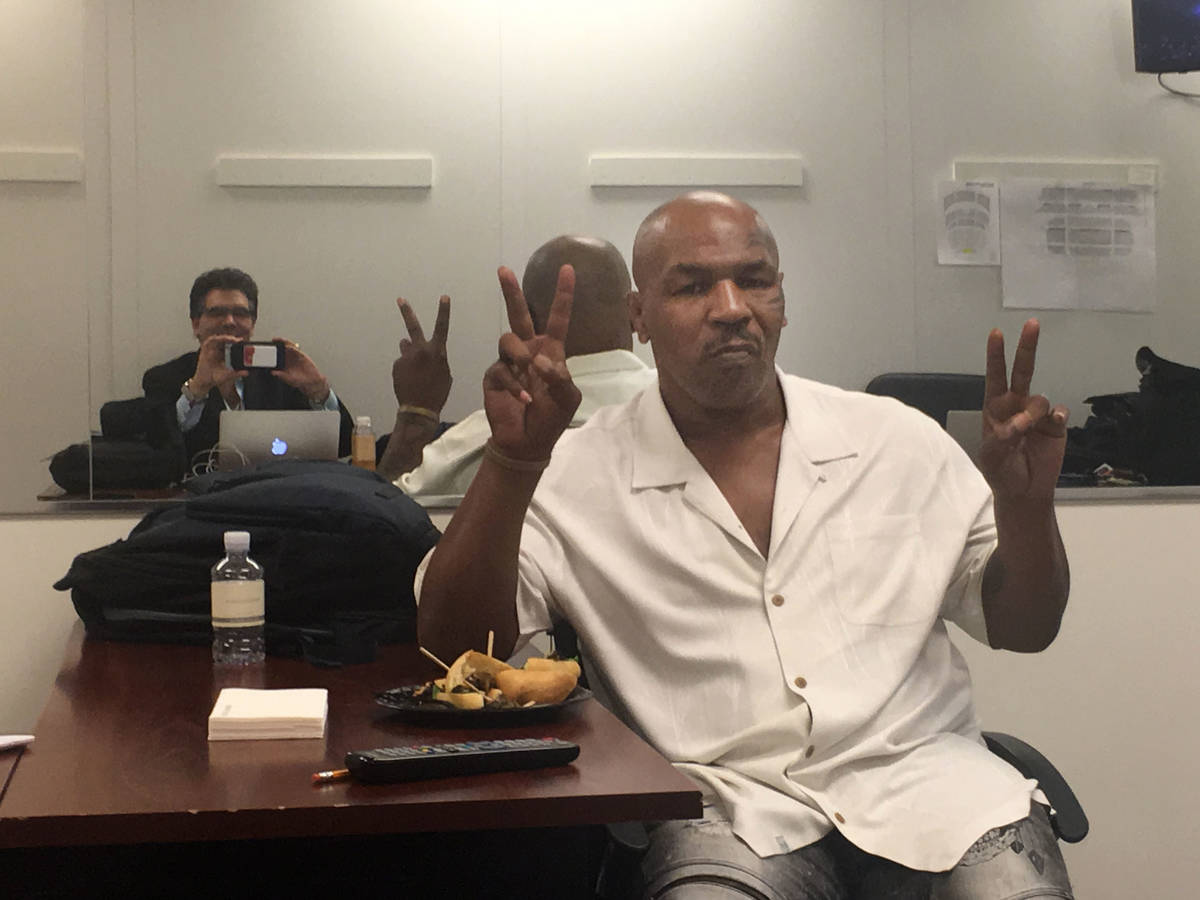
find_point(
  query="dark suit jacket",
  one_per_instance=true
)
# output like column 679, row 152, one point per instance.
column 260, row 389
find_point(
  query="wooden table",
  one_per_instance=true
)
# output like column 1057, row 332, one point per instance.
column 122, row 759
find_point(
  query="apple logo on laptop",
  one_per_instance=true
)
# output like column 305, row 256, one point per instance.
column 279, row 447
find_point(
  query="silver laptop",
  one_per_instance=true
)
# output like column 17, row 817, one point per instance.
column 249, row 436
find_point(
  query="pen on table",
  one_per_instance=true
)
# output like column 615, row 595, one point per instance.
column 329, row 775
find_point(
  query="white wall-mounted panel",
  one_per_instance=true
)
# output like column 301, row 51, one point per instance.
column 696, row 170
column 41, row 165
column 325, row 171
column 1131, row 171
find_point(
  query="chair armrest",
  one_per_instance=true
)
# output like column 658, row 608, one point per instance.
column 1068, row 819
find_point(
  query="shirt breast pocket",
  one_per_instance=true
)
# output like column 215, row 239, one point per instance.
column 879, row 571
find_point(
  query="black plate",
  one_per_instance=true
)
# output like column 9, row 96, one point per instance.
column 400, row 701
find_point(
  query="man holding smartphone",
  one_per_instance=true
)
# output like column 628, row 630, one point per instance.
column 200, row 384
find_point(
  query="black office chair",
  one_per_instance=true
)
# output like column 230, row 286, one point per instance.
column 627, row 842
column 934, row 393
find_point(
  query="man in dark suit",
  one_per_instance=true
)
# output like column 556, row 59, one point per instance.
column 190, row 391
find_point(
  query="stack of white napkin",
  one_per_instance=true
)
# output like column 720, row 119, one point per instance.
column 243, row 714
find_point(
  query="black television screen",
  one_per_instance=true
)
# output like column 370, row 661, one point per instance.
column 1166, row 35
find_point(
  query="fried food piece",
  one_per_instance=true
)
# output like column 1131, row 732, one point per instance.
column 538, row 685
column 477, row 668
column 539, row 663
column 463, row 700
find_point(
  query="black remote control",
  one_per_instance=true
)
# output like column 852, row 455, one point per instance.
column 465, row 758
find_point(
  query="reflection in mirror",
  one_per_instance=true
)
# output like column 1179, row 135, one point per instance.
column 509, row 103
column 44, row 263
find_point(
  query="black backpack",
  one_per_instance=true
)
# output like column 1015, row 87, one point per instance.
column 339, row 547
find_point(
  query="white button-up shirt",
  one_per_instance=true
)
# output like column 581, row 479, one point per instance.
column 812, row 689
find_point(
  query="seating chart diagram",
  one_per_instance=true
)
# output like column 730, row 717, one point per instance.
column 1077, row 245
column 969, row 230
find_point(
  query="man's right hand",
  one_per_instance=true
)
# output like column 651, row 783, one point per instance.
column 211, row 368
column 470, row 585
column 528, row 393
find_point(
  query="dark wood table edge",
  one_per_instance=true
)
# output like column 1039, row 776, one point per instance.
column 249, row 824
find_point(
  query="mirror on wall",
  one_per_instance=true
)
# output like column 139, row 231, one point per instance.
column 506, row 104
column 43, row 258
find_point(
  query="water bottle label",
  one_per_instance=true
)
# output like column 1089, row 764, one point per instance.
column 237, row 604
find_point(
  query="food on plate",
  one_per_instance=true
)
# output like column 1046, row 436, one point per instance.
column 541, row 663
column 475, row 669
column 463, row 700
column 476, row 680
column 537, row 685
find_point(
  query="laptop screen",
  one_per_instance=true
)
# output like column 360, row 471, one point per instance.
column 249, row 436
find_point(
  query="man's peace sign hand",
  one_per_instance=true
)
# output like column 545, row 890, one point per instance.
column 1024, row 438
column 421, row 373
column 528, row 393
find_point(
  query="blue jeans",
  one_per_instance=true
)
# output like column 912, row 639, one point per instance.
column 701, row 859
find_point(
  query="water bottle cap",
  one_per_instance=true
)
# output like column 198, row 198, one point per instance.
column 237, row 541
column 362, row 421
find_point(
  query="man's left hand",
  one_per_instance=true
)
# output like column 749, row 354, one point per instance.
column 302, row 373
column 1024, row 438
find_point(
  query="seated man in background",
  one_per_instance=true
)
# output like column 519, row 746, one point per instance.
column 599, row 357
column 200, row 384
column 759, row 568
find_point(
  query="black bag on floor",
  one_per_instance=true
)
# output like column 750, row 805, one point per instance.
column 339, row 547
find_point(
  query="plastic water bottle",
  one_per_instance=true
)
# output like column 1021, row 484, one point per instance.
column 362, row 444
column 238, row 602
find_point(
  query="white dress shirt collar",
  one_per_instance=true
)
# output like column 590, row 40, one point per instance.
column 661, row 458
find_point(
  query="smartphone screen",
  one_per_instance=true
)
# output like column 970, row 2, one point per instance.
column 252, row 355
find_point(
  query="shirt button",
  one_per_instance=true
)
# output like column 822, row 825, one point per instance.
column 777, row 599
column 809, row 751
column 800, row 681
column 840, row 818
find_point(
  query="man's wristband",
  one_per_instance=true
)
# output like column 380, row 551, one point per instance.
column 515, row 465
column 421, row 411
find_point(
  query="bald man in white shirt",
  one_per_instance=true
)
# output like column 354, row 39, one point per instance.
column 760, row 569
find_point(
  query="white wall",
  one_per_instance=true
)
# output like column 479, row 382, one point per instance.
column 43, row 259
column 1110, row 702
